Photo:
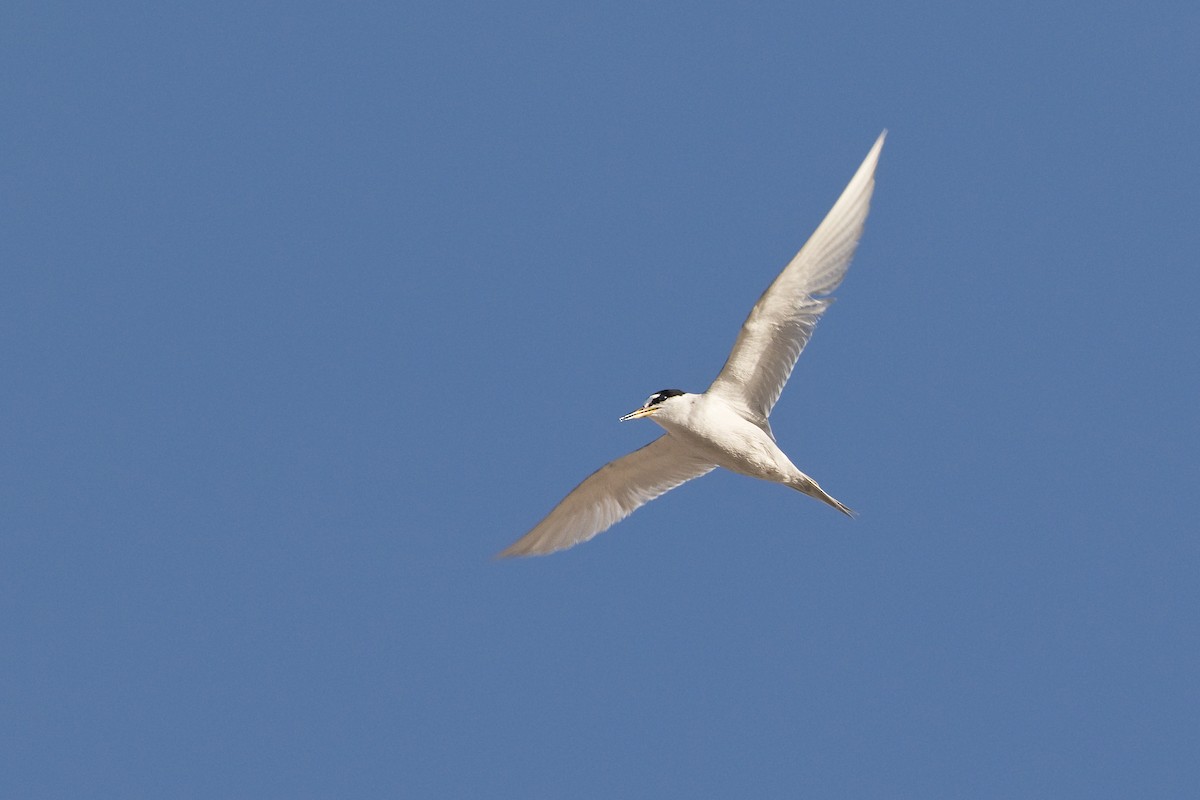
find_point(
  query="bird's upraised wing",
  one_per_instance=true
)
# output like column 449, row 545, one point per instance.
column 783, row 319
column 610, row 494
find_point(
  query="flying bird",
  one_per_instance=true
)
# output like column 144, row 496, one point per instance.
column 726, row 426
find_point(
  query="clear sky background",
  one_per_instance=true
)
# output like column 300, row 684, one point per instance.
column 308, row 309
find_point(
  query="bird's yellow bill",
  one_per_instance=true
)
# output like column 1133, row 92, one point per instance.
column 641, row 412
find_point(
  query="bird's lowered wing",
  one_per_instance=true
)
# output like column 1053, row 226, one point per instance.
column 783, row 319
column 610, row 494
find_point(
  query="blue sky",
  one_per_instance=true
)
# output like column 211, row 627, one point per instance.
column 309, row 309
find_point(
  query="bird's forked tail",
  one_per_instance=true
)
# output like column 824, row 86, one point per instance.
column 809, row 487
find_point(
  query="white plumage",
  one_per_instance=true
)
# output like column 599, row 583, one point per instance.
column 727, row 425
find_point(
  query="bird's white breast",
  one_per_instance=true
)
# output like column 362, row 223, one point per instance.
column 728, row 439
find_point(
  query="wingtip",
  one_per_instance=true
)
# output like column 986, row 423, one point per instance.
column 863, row 180
column 512, row 552
column 520, row 549
column 873, row 154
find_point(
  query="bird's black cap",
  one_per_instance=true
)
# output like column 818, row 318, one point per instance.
column 658, row 397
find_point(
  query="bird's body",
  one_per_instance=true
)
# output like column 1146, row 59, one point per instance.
column 724, row 437
column 727, row 425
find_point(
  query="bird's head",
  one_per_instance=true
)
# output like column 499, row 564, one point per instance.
column 666, row 400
